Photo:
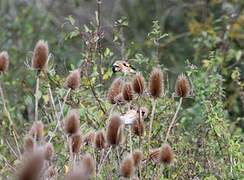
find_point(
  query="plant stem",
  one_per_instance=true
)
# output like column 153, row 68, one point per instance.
column 151, row 122
column 130, row 134
column 173, row 120
column 36, row 96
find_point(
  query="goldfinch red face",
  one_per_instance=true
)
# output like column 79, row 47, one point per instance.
column 122, row 66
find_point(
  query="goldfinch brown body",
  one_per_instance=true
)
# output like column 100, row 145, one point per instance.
column 123, row 66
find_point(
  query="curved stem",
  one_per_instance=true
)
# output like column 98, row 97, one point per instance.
column 173, row 120
column 36, row 96
column 151, row 122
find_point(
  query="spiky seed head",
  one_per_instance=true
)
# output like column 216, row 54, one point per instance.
column 100, row 141
column 72, row 122
column 115, row 89
column 48, row 151
column 4, row 61
column 166, row 154
column 127, row 92
column 73, row 80
column 138, row 127
column 155, row 155
column 127, row 167
column 138, row 83
column 89, row 137
column 88, row 164
column 31, row 167
column 182, row 86
column 119, row 99
column 156, row 83
column 40, row 56
column 29, row 144
column 37, row 130
column 137, row 156
column 114, row 130
column 76, row 142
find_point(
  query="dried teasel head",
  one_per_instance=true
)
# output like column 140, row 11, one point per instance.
column 40, row 56
column 100, row 141
column 4, row 61
column 89, row 137
column 29, row 144
column 138, row 83
column 31, row 168
column 156, row 83
column 155, row 155
column 72, row 122
column 119, row 99
column 37, row 130
column 73, row 79
column 137, row 156
column 75, row 143
column 88, row 164
column 127, row 167
column 138, row 127
column 166, row 154
column 114, row 130
column 115, row 90
column 127, row 92
column 48, row 151
column 182, row 86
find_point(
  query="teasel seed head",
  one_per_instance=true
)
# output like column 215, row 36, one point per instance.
column 114, row 130
column 37, row 130
column 72, row 122
column 40, row 56
column 155, row 155
column 73, row 80
column 138, row 83
column 29, row 144
column 156, row 83
column 115, row 90
column 166, row 154
column 100, row 141
column 127, row 92
column 88, row 164
column 48, row 151
column 137, row 156
column 138, row 127
column 127, row 167
column 75, row 143
column 89, row 138
column 32, row 167
column 4, row 61
column 182, row 86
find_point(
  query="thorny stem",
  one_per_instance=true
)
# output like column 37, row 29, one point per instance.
column 173, row 120
column 151, row 122
column 36, row 96
column 52, row 101
column 103, row 159
column 60, row 114
column 130, row 134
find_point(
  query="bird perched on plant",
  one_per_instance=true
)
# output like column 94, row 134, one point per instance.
column 123, row 66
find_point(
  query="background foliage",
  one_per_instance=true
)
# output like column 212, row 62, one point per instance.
column 202, row 38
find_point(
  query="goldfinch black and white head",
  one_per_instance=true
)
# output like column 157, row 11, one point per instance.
column 123, row 66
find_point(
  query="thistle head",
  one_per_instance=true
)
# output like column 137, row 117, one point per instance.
column 115, row 90
column 72, row 122
column 182, row 86
column 138, row 83
column 156, row 83
column 73, row 80
column 127, row 92
column 4, row 61
column 114, row 130
column 40, row 56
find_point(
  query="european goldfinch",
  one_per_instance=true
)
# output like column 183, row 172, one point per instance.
column 123, row 66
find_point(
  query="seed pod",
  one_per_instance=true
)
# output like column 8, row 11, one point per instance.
column 4, row 61
column 75, row 143
column 138, row 83
column 115, row 90
column 73, row 80
column 72, row 122
column 48, row 151
column 89, row 138
column 40, row 55
column 138, row 127
column 137, row 157
column 127, row 92
column 182, row 86
column 88, row 164
column 114, row 131
column 127, row 167
column 156, row 83
column 166, row 154
column 100, row 142
column 29, row 144
column 37, row 130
